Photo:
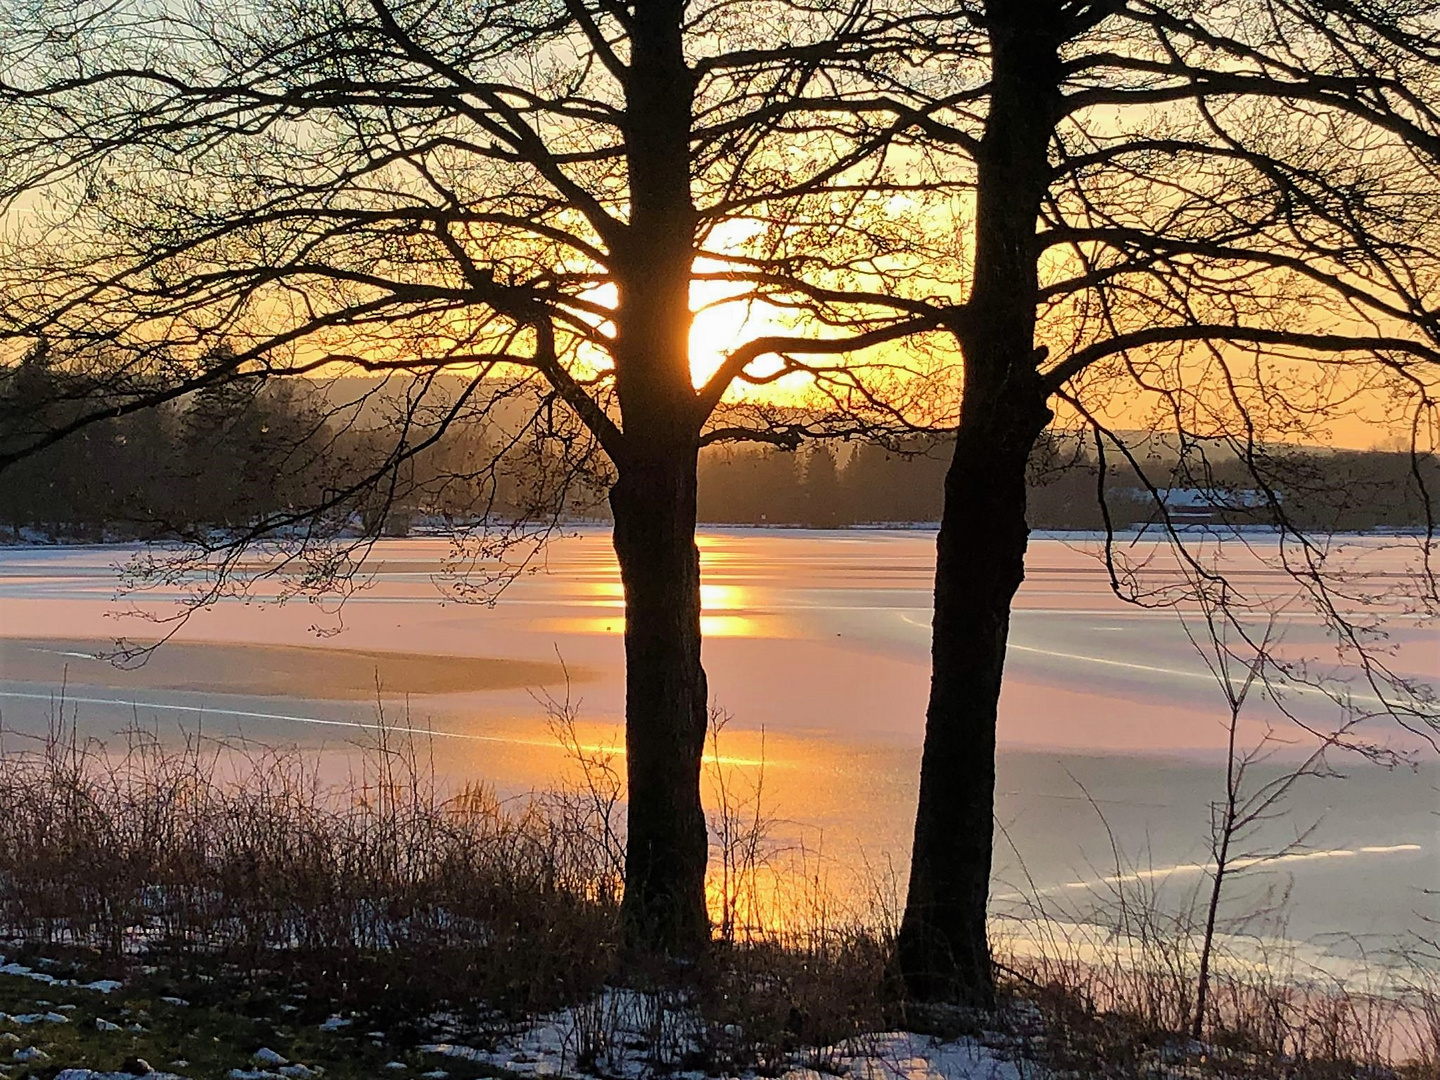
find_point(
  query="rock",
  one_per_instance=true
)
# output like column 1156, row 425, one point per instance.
column 266, row 1056
column 30, row 1053
column 101, row 1024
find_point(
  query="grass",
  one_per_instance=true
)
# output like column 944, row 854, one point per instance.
column 1112, row 992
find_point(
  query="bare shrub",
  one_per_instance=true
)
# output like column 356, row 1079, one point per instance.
column 1107, row 985
column 232, row 852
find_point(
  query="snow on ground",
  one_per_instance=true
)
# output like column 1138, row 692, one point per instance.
column 101, row 986
column 621, row 1034
column 903, row 1056
column 890, row 1056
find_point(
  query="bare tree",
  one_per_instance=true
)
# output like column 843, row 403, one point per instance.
column 1247, row 804
column 1214, row 223
column 525, row 198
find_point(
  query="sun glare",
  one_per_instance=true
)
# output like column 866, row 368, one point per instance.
column 721, row 324
column 725, row 612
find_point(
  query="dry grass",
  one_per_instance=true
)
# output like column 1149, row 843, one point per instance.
column 1107, row 986
column 385, row 894
column 381, row 887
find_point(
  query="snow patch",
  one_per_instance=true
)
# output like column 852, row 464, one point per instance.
column 28, row 973
column 103, row 986
column 905, row 1056
column 614, row 1037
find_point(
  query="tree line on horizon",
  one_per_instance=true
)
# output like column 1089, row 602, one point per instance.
column 240, row 455
column 220, row 458
column 878, row 484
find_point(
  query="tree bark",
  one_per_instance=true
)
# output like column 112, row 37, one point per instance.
column 653, row 501
column 943, row 950
column 980, row 554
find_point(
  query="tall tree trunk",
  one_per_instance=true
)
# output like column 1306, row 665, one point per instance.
column 943, row 950
column 653, row 501
column 980, row 555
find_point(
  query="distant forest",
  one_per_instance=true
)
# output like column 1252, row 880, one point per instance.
column 224, row 458
column 1323, row 490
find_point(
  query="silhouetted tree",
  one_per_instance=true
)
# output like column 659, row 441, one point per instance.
column 1217, row 220
column 1169, row 212
column 524, row 194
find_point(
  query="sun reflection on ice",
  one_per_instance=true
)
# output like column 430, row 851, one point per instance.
column 725, row 611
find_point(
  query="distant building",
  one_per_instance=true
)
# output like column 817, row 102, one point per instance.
column 1217, row 506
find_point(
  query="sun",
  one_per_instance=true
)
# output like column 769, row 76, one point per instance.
column 725, row 316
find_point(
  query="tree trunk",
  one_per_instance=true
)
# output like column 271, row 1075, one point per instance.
column 943, row 951
column 653, row 501
column 980, row 555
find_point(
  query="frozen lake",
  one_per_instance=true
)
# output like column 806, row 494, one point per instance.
column 818, row 640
